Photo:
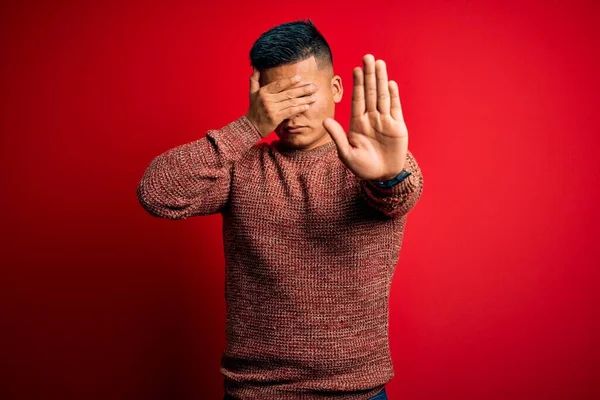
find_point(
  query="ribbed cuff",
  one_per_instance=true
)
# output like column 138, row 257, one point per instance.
column 408, row 185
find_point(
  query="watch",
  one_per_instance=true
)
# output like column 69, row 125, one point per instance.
column 394, row 181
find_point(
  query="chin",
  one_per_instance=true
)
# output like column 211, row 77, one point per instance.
column 294, row 141
column 297, row 142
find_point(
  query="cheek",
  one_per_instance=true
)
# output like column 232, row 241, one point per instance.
column 317, row 108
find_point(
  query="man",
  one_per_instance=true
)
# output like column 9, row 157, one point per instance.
column 312, row 223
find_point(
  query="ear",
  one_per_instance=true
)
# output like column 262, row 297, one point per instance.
column 337, row 89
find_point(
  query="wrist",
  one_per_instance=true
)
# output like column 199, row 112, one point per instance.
column 250, row 118
column 386, row 178
column 393, row 181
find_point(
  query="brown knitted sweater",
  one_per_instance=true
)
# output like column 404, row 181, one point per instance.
column 310, row 251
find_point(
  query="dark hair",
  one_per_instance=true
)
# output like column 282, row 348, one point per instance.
column 290, row 43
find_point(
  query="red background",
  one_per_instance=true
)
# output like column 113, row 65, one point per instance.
column 496, row 291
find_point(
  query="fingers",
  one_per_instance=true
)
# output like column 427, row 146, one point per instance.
column 291, row 111
column 383, row 92
column 282, row 84
column 358, row 94
column 295, row 98
column 264, row 111
column 298, row 90
column 254, row 85
column 396, row 108
column 338, row 135
column 296, row 101
column 370, row 83
column 371, row 89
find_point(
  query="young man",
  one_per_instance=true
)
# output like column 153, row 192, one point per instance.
column 312, row 223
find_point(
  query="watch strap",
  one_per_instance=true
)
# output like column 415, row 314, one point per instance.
column 394, row 181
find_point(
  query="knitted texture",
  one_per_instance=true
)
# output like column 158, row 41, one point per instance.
column 310, row 252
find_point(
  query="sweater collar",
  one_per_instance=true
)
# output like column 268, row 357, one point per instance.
column 297, row 154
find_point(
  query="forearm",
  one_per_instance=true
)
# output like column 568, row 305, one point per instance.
column 194, row 178
column 400, row 198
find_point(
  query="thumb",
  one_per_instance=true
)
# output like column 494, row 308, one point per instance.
column 338, row 135
column 254, row 85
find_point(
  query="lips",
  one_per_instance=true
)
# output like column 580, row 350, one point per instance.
column 294, row 129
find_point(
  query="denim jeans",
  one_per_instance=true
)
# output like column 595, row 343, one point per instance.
column 380, row 396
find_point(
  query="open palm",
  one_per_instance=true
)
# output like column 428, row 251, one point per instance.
column 377, row 142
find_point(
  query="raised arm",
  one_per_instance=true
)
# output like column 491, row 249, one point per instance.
column 376, row 146
column 194, row 178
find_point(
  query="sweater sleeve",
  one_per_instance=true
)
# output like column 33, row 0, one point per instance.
column 399, row 199
column 194, row 178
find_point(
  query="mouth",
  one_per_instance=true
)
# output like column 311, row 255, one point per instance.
column 294, row 129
